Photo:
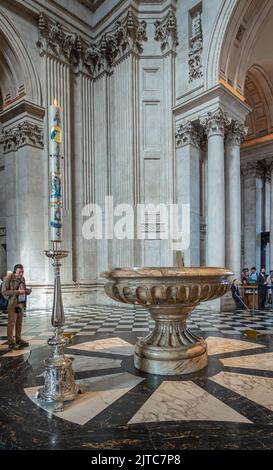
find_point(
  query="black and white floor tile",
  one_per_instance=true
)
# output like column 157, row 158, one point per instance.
column 227, row 405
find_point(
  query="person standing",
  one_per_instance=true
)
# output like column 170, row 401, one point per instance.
column 262, row 288
column 15, row 291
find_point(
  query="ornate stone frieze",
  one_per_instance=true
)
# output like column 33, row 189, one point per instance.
column 188, row 134
column 236, row 132
column 196, row 47
column 54, row 39
column 94, row 57
column 216, row 123
column 24, row 133
column 166, row 32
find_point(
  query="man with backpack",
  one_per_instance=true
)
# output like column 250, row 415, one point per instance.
column 14, row 290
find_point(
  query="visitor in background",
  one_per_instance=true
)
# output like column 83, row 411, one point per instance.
column 235, row 291
column 15, row 291
column 246, row 292
column 269, row 282
column 253, row 276
column 262, row 288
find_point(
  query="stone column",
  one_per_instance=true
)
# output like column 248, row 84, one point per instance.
column 251, row 213
column 188, row 185
column 214, row 126
column 236, row 132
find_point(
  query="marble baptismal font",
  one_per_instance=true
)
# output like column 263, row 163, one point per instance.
column 170, row 295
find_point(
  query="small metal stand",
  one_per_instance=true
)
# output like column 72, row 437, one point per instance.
column 59, row 383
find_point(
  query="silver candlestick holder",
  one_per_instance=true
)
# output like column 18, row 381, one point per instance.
column 59, row 383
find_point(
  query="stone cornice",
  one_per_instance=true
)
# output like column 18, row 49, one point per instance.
column 22, row 108
column 166, row 32
column 94, row 57
column 24, row 133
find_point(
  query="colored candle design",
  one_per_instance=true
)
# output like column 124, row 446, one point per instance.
column 55, row 172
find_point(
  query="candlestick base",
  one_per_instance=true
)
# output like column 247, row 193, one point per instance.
column 59, row 383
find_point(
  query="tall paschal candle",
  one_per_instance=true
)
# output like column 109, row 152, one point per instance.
column 55, row 175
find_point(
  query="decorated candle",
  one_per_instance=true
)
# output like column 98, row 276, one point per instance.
column 55, row 175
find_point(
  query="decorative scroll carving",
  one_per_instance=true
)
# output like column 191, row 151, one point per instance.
column 127, row 35
column 166, row 32
column 188, row 134
column 24, row 133
column 196, row 48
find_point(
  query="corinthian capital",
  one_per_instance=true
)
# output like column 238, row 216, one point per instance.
column 215, row 123
column 187, row 134
column 236, row 132
column 254, row 169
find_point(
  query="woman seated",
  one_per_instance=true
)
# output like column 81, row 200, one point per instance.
column 235, row 291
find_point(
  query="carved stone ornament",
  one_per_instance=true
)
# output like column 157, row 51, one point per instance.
column 216, row 123
column 187, row 134
column 236, row 132
column 127, row 35
column 25, row 133
column 250, row 169
column 196, row 49
column 166, row 32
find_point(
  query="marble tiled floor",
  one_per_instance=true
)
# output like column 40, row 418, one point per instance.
column 227, row 405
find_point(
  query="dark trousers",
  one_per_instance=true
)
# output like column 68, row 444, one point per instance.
column 262, row 297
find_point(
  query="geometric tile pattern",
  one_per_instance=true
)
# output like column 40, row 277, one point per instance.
column 90, row 320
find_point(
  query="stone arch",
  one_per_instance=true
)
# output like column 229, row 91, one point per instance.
column 233, row 37
column 18, row 75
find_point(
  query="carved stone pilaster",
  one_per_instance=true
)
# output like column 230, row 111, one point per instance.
column 216, row 123
column 187, row 134
column 236, row 133
column 196, row 48
column 166, row 32
column 94, row 57
column 24, row 133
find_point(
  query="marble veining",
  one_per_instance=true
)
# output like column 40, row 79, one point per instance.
column 258, row 389
column 218, row 345
column 255, row 361
column 110, row 345
column 174, row 401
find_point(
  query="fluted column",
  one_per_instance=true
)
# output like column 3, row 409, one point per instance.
column 188, row 185
column 214, row 126
column 236, row 132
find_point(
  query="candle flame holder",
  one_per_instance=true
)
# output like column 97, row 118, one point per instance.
column 59, row 383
